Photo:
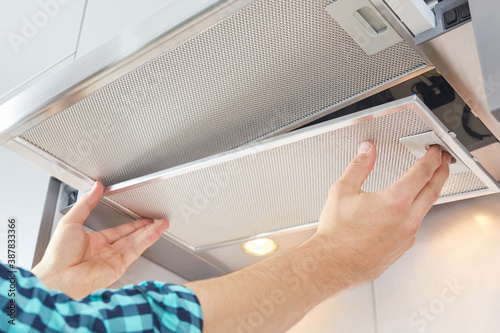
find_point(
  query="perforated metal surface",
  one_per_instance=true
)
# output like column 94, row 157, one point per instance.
column 261, row 70
column 284, row 184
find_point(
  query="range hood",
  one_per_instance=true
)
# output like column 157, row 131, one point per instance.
column 174, row 109
column 243, row 79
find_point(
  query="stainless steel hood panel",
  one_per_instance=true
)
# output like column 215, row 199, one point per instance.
column 487, row 29
column 282, row 182
column 266, row 68
column 455, row 56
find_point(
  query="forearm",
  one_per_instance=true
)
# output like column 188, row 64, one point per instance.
column 271, row 295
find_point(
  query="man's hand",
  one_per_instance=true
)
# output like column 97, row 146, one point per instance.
column 359, row 235
column 367, row 232
column 78, row 262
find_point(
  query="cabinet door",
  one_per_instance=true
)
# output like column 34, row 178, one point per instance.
column 36, row 36
column 107, row 19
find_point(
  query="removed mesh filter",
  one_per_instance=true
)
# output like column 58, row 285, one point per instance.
column 267, row 67
column 280, row 184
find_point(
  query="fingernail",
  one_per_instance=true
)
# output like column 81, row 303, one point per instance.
column 448, row 159
column 364, row 148
column 440, row 150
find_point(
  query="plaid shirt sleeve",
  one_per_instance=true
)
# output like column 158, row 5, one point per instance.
column 147, row 307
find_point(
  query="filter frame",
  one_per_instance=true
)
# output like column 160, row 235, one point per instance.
column 412, row 102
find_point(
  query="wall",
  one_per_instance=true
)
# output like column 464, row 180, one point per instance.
column 23, row 188
column 448, row 282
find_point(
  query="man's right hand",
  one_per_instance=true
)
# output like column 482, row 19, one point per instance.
column 359, row 235
column 367, row 232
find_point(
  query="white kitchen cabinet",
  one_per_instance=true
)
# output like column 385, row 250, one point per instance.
column 449, row 281
column 37, row 36
column 106, row 19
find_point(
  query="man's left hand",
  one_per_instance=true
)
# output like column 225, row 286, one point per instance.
column 78, row 263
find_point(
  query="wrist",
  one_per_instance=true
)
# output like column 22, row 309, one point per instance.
column 48, row 277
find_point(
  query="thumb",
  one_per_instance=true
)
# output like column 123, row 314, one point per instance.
column 81, row 210
column 358, row 170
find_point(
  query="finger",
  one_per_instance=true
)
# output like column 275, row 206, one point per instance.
column 116, row 233
column 132, row 246
column 414, row 180
column 81, row 210
column 430, row 193
column 358, row 170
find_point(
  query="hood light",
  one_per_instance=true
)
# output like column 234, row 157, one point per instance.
column 260, row 247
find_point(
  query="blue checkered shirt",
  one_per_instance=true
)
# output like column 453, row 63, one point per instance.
column 147, row 307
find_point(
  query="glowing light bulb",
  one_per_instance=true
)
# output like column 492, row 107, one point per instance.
column 482, row 220
column 260, row 247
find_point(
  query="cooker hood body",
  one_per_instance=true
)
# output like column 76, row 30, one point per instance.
column 159, row 115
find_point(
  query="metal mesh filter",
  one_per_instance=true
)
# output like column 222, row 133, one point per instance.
column 259, row 71
column 277, row 185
